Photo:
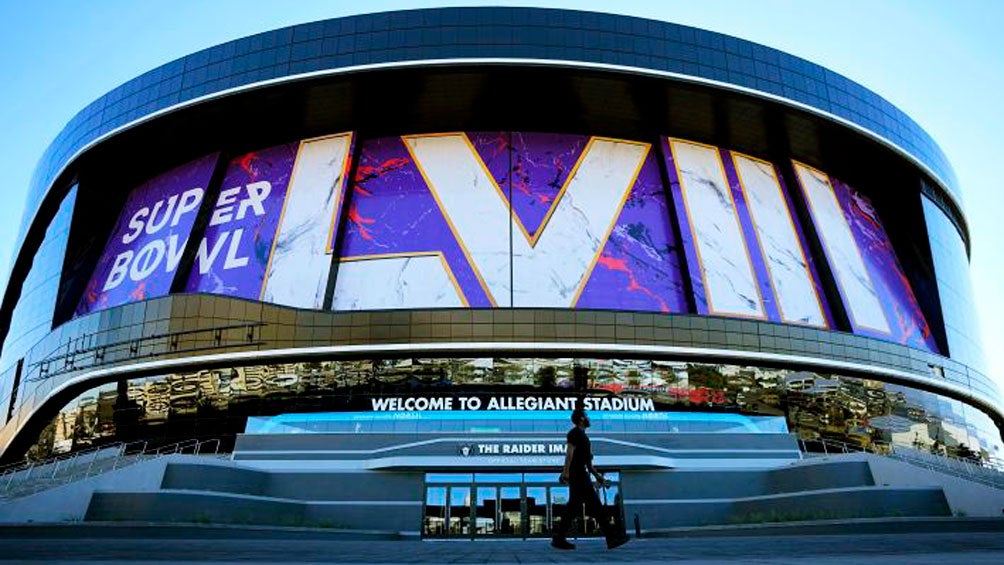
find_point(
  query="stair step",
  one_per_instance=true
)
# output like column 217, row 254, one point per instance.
column 822, row 504
column 187, row 506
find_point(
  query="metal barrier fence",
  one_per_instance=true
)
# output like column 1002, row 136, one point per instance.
column 22, row 479
column 988, row 471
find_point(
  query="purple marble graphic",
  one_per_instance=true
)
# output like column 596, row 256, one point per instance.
column 757, row 257
column 494, row 149
column 234, row 252
column 392, row 212
column 342, row 196
column 749, row 234
column 639, row 267
column 803, row 241
column 905, row 317
column 530, row 168
column 687, row 242
column 146, row 244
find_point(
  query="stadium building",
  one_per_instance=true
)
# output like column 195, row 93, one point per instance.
column 400, row 247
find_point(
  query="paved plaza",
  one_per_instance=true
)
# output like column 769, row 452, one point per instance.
column 247, row 547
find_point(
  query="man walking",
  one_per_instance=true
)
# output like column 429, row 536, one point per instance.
column 576, row 474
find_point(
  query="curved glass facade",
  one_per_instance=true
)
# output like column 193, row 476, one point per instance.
column 32, row 316
column 217, row 403
column 487, row 33
column 362, row 228
column 955, row 289
column 515, row 220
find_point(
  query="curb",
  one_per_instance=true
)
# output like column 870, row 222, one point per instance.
column 159, row 530
column 856, row 526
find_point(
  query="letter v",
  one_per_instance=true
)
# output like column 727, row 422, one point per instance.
column 206, row 258
column 553, row 272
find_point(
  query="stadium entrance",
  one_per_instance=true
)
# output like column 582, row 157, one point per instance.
column 514, row 505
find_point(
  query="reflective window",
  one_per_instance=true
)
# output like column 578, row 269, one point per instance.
column 32, row 316
column 537, row 511
column 434, row 521
column 558, row 498
column 498, row 477
column 951, row 269
column 668, row 397
column 462, row 478
column 460, row 511
column 486, row 512
column 541, row 477
column 435, row 35
column 511, row 511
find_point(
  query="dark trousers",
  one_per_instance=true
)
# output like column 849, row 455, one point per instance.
column 581, row 492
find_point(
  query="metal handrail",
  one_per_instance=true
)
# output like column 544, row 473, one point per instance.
column 18, row 476
column 216, row 443
column 989, row 463
column 991, row 475
column 11, row 471
column 175, row 448
column 19, row 465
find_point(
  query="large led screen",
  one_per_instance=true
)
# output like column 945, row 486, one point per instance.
column 639, row 267
column 513, row 219
column 233, row 254
column 399, row 250
column 766, row 205
column 300, row 260
column 723, row 275
column 873, row 287
column 147, row 242
column 745, row 249
column 270, row 234
column 508, row 219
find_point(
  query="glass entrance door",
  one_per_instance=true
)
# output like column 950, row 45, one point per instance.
column 477, row 505
column 557, row 501
column 537, row 515
column 434, row 518
column 486, row 512
column 511, row 506
column 460, row 512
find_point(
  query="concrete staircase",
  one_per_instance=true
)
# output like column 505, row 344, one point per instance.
column 25, row 478
column 31, row 478
column 192, row 492
column 811, row 490
column 379, row 491
column 838, row 488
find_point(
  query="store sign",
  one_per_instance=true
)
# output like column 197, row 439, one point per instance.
column 520, row 403
column 511, row 448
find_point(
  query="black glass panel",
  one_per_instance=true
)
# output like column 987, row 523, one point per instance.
column 460, row 511
column 510, row 511
column 486, row 513
column 434, row 521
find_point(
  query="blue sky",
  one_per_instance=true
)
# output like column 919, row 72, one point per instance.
column 940, row 62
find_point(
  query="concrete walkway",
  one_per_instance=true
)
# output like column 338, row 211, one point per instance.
column 245, row 547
